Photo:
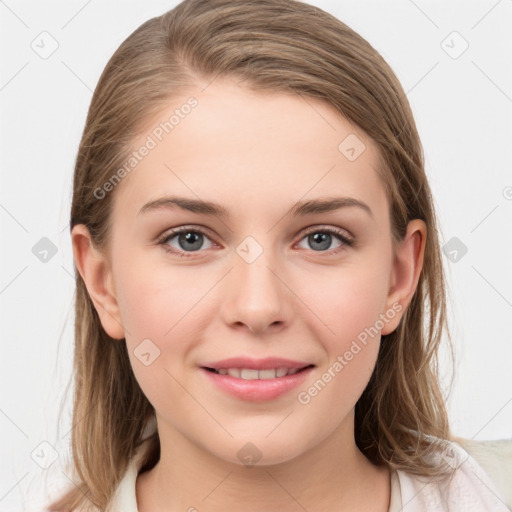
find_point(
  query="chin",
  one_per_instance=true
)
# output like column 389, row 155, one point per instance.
column 259, row 451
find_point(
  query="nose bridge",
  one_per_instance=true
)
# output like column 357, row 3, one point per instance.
column 257, row 297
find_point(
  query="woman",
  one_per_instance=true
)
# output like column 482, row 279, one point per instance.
column 260, row 292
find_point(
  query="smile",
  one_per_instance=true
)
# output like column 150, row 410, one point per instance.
column 250, row 384
column 253, row 374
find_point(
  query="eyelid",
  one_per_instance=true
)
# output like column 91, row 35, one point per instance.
column 342, row 233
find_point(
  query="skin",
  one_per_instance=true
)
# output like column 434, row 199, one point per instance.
column 256, row 153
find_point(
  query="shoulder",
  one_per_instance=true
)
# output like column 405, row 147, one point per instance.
column 471, row 486
column 495, row 458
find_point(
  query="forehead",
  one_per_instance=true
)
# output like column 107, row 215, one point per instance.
column 250, row 149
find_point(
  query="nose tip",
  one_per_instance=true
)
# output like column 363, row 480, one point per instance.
column 256, row 298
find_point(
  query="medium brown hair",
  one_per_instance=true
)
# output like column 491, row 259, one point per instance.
column 282, row 46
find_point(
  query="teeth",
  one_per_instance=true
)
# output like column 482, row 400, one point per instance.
column 252, row 374
column 267, row 374
column 248, row 374
column 234, row 372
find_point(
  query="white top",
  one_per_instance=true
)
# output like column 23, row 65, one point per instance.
column 469, row 488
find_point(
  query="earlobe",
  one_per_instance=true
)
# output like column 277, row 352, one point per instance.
column 407, row 266
column 95, row 271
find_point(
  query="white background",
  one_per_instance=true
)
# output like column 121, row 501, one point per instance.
column 462, row 107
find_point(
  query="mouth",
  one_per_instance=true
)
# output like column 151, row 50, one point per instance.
column 255, row 374
column 268, row 382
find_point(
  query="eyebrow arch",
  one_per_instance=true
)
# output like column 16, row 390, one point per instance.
column 299, row 209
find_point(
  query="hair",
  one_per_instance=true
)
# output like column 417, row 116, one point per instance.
column 281, row 46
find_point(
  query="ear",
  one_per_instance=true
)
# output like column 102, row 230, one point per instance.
column 405, row 274
column 94, row 268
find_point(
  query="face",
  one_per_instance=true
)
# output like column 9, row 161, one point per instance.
column 269, row 277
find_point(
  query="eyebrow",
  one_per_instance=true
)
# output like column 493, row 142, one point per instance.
column 299, row 209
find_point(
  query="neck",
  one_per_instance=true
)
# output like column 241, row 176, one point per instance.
column 334, row 474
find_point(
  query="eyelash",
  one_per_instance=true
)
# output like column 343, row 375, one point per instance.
column 349, row 242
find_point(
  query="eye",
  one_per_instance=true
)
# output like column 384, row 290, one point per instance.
column 320, row 239
column 188, row 240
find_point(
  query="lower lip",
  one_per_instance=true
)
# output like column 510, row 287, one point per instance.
column 257, row 390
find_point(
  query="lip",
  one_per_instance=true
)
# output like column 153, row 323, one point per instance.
column 257, row 390
column 256, row 364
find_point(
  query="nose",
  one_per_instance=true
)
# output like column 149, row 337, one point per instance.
column 256, row 296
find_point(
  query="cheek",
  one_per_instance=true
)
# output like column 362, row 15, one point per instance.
column 349, row 305
column 347, row 302
column 351, row 347
column 155, row 315
column 164, row 316
column 154, row 302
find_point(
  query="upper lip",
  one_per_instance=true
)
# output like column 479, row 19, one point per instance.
column 256, row 364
